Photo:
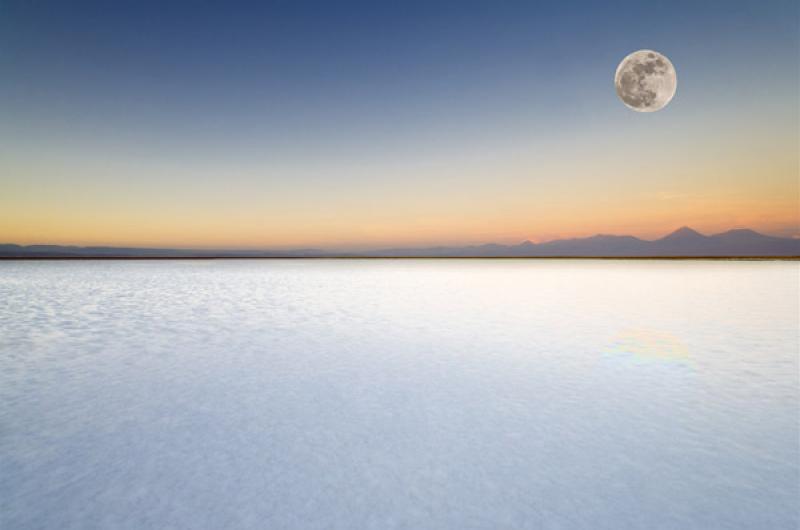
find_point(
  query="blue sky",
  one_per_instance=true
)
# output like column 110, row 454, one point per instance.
column 358, row 123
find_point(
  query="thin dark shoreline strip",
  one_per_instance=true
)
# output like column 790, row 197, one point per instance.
column 349, row 257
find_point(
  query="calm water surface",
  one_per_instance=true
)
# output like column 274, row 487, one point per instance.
column 399, row 394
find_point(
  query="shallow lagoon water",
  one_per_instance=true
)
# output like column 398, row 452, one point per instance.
column 399, row 394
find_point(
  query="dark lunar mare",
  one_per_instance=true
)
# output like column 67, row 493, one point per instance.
column 632, row 87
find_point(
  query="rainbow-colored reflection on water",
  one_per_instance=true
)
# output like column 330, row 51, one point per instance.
column 649, row 346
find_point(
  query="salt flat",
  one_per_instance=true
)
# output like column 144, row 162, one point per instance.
column 399, row 394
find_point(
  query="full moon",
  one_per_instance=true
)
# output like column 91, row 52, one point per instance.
column 645, row 81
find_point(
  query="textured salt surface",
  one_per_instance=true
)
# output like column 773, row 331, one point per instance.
column 399, row 394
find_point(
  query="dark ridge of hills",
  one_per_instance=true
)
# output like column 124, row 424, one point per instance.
column 683, row 242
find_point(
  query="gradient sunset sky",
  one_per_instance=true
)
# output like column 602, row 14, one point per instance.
column 363, row 124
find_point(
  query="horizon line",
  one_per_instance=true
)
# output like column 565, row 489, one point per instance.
column 377, row 248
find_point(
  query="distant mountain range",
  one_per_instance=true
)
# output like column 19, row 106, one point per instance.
column 683, row 242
